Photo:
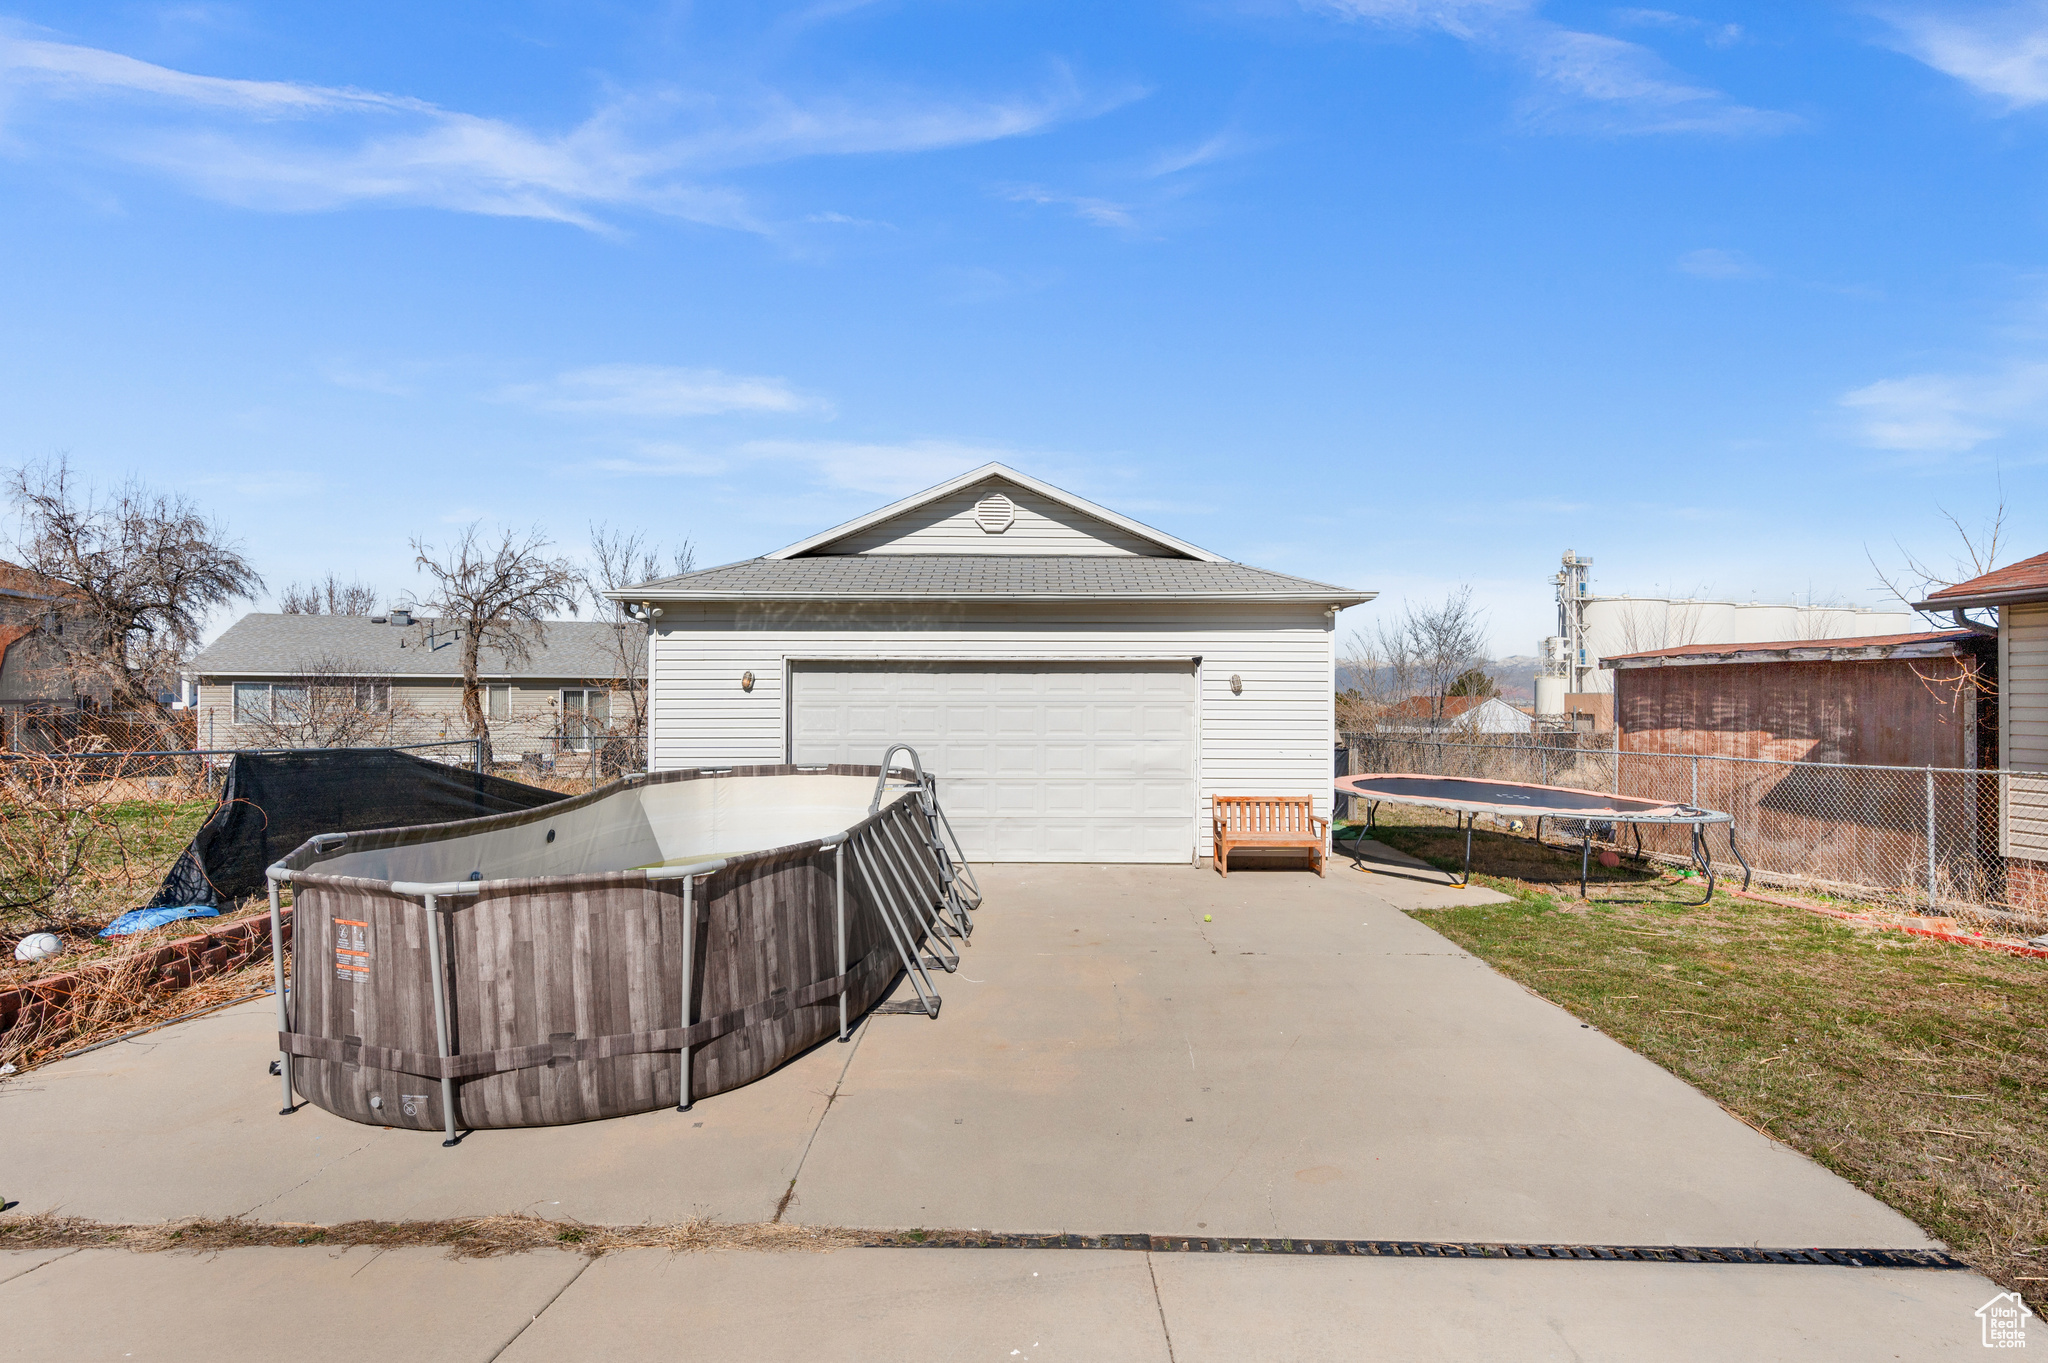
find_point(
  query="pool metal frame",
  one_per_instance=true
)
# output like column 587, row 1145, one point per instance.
column 1467, row 813
column 920, row 909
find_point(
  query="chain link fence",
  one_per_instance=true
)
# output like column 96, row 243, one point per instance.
column 1917, row 837
column 574, row 761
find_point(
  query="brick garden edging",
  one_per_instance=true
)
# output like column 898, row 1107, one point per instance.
column 174, row 965
column 1967, row 939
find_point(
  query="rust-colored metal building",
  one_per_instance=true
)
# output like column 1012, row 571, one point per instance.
column 1837, row 707
column 1906, row 700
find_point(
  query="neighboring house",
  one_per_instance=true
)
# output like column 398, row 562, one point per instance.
column 364, row 680
column 1463, row 715
column 32, row 671
column 1080, row 683
column 2019, row 594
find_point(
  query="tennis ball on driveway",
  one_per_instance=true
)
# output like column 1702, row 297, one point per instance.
column 1205, row 918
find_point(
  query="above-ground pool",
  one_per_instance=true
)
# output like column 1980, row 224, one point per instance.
column 654, row 942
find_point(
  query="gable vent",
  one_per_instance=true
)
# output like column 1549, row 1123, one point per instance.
column 995, row 513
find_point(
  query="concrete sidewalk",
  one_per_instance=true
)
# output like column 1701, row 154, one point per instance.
column 889, row 1305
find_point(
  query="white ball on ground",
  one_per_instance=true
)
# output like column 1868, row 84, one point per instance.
column 39, row 946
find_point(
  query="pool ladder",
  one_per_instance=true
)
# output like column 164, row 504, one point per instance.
column 918, row 876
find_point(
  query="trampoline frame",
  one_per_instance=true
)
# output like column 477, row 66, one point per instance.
column 1467, row 812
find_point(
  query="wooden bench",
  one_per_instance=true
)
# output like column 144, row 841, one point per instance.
column 1269, row 821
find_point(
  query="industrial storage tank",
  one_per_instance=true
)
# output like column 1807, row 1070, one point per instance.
column 1616, row 625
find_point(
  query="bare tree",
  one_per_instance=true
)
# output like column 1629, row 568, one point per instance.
column 1919, row 578
column 142, row 570
column 1446, row 641
column 1376, row 673
column 330, row 703
column 331, row 596
column 1424, row 652
column 497, row 596
column 620, row 559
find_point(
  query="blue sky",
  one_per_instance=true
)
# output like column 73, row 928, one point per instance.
column 1392, row 293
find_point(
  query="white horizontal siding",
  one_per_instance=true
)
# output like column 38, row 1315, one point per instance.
column 2023, row 727
column 2026, row 817
column 423, row 712
column 947, row 526
column 1274, row 739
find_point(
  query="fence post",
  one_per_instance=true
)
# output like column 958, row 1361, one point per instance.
column 478, row 760
column 1930, row 838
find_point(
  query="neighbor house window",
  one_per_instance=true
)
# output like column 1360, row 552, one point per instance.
column 586, row 714
column 293, row 702
column 252, row 702
column 498, row 702
column 288, row 704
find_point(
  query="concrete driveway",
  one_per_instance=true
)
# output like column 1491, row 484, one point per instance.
column 1124, row 1049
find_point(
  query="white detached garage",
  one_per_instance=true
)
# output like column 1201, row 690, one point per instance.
column 1079, row 683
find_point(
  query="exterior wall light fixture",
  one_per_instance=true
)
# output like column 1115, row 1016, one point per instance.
column 1236, row 685
column 746, row 681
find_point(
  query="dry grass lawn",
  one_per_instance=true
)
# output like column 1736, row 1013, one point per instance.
column 1915, row 1069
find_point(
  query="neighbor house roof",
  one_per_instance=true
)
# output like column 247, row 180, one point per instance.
column 1486, row 712
column 309, row 645
column 2026, row 580
column 1940, row 643
column 1420, row 707
column 1002, row 577
column 16, row 580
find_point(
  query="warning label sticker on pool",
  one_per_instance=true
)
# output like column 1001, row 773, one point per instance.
column 351, row 950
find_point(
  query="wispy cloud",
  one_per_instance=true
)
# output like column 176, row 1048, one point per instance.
column 845, row 220
column 343, row 374
column 2001, row 53
column 1714, row 263
column 1579, row 80
column 1100, row 212
column 889, row 469
column 1220, row 147
column 292, row 147
column 1947, row 414
column 1713, row 34
column 966, row 285
column 653, row 390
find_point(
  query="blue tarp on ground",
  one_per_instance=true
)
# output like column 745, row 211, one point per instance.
column 142, row 920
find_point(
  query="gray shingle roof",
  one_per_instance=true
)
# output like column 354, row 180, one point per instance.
column 285, row 645
column 867, row 577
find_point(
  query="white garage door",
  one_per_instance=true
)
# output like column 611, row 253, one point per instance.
column 1036, row 761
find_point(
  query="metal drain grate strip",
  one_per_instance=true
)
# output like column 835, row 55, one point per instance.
column 1424, row 1249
